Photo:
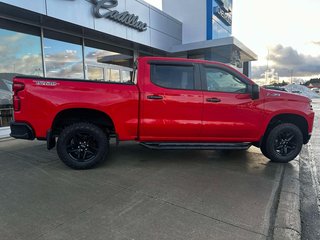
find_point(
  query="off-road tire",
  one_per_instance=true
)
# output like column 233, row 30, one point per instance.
column 283, row 143
column 82, row 145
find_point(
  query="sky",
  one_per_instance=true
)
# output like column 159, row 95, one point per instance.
column 286, row 32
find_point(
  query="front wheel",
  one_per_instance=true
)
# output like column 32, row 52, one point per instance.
column 82, row 145
column 283, row 143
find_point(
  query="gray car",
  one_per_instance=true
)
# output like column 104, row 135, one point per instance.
column 5, row 93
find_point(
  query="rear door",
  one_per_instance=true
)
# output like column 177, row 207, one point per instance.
column 230, row 115
column 171, row 102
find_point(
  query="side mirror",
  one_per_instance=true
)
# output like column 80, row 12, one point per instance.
column 255, row 92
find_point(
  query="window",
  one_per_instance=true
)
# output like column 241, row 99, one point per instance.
column 173, row 76
column 114, row 75
column 113, row 66
column 20, row 53
column 126, row 76
column 95, row 73
column 218, row 80
column 63, row 59
column 219, row 31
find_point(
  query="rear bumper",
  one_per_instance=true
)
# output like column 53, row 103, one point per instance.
column 21, row 131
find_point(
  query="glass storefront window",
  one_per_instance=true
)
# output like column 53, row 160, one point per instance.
column 126, row 76
column 63, row 59
column 109, row 66
column 95, row 73
column 219, row 31
column 20, row 53
column 114, row 75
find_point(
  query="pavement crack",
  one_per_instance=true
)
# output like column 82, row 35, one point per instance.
column 288, row 228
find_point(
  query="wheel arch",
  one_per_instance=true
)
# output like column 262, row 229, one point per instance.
column 74, row 115
column 295, row 119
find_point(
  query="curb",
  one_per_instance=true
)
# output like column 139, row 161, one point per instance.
column 2, row 139
column 287, row 223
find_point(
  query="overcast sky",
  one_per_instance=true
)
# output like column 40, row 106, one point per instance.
column 289, row 29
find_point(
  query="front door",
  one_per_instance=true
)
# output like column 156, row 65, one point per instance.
column 230, row 115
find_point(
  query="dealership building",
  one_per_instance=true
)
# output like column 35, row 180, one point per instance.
column 100, row 39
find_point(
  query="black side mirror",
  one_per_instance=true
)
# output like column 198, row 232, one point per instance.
column 255, row 91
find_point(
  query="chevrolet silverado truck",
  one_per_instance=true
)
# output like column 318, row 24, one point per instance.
column 169, row 103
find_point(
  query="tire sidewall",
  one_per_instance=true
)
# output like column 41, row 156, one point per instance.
column 97, row 133
column 274, row 133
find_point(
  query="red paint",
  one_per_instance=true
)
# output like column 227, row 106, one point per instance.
column 181, row 115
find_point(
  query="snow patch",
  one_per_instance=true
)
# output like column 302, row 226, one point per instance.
column 302, row 90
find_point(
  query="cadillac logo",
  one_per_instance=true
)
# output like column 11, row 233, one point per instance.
column 101, row 9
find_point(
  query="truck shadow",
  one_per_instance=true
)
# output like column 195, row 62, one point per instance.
column 133, row 155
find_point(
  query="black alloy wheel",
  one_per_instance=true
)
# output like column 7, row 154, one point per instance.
column 82, row 145
column 283, row 143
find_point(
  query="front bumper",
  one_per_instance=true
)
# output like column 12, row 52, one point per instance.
column 21, row 131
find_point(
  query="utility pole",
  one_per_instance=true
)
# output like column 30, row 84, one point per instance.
column 267, row 70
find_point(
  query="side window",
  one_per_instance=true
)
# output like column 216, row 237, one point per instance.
column 218, row 80
column 173, row 76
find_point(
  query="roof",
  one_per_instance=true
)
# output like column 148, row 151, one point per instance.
column 218, row 46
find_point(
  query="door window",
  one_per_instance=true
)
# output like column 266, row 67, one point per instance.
column 173, row 76
column 218, row 80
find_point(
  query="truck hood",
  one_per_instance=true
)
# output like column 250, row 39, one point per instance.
column 268, row 93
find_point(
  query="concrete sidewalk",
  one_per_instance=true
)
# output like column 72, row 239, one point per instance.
column 4, row 132
column 136, row 194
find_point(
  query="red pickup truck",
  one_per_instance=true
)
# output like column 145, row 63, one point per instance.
column 170, row 103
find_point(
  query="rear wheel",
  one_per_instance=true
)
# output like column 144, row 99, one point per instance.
column 283, row 143
column 82, row 145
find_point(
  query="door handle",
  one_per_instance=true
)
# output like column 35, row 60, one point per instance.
column 155, row 97
column 213, row 100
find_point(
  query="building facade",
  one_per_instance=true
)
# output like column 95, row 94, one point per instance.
column 100, row 39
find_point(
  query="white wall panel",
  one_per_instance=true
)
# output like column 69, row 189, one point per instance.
column 76, row 11
column 193, row 14
column 38, row 6
column 160, row 22
column 162, row 41
column 162, row 33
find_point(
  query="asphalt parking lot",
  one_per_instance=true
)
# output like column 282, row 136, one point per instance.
column 136, row 194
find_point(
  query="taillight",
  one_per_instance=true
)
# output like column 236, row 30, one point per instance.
column 16, row 103
column 17, row 87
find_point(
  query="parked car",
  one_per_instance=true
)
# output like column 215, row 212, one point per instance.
column 172, row 103
column 275, row 88
column 316, row 90
column 5, row 93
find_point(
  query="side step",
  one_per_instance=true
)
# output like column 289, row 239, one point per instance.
column 195, row 146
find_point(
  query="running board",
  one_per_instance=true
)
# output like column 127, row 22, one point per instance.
column 195, row 146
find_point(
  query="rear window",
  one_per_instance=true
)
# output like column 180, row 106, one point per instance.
column 173, row 76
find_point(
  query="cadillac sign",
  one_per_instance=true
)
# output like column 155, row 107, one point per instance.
column 102, row 9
